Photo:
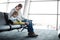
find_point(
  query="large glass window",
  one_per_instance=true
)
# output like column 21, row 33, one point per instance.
column 2, row 1
column 59, row 15
column 3, row 7
column 44, row 20
column 59, row 22
column 49, row 7
column 43, row 14
column 42, row 0
column 16, row 0
column 59, row 7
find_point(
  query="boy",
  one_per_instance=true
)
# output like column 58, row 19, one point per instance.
column 15, row 19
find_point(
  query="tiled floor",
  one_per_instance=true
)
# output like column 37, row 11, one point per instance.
column 43, row 35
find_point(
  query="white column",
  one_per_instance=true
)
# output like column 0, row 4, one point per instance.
column 26, row 8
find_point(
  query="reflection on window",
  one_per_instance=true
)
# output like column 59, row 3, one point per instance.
column 43, row 7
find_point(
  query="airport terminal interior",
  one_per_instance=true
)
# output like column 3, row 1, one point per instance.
column 45, row 16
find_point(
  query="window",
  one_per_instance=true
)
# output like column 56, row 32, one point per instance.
column 59, row 7
column 59, row 22
column 16, row 0
column 42, row 0
column 43, row 7
column 59, row 16
column 44, row 20
column 44, row 14
column 2, row 1
column 3, row 7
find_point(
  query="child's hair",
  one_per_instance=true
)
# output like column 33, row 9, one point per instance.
column 15, row 13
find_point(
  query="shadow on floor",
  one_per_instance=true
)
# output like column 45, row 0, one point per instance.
column 43, row 35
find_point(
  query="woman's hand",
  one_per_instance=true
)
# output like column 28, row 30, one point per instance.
column 27, row 23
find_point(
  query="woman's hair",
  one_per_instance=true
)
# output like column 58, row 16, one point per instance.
column 19, row 5
column 15, row 13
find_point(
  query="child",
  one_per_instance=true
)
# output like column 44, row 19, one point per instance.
column 14, row 18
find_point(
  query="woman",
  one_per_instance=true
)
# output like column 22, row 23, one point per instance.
column 28, row 22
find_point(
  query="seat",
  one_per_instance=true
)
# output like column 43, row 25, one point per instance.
column 3, row 25
column 6, row 26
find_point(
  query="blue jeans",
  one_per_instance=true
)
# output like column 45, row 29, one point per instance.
column 30, row 26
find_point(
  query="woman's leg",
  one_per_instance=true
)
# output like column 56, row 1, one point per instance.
column 30, row 28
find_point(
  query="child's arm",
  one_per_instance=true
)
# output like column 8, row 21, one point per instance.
column 22, row 22
column 18, row 22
